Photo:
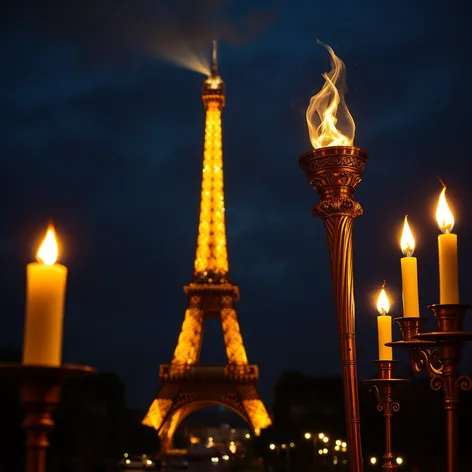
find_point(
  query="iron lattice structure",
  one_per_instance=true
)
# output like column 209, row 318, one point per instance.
column 187, row 385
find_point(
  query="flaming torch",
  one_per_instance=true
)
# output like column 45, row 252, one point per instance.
column 334, row 168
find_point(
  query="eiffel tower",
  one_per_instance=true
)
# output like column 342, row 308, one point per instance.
column 187, row 385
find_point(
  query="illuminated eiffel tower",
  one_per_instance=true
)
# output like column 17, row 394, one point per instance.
column 187, row 385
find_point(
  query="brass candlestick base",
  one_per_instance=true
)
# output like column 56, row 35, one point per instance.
column 334, row 172
column 442, row 365
column 439, row 353
column 40, row 392
column 383, row 388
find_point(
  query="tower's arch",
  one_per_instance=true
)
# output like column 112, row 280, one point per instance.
column 178, row 414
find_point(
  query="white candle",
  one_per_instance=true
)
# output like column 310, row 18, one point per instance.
column 447, row 249
column 384, row 325
column 409, row 265
column 45, row 294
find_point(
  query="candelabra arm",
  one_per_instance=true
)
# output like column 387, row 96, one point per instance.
column 378, row 397
column 425, row 359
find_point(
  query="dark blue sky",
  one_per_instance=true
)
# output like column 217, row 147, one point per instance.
column 105, row 137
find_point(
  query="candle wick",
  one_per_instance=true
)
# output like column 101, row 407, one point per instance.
column 441, row 182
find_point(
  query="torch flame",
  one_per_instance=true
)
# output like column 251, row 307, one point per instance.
column 444, row 216
column 48, row 250
column 329, row 121
column 383, row 303
column 407, row 242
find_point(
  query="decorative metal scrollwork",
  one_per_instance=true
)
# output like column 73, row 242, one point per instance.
column 464, row 382
column 428, row 359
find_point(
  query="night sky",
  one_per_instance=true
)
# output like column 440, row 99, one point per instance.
column 102, row 131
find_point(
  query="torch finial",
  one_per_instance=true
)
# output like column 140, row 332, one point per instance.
column 214, row 62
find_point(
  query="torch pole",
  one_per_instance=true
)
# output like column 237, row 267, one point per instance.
column 334, row 172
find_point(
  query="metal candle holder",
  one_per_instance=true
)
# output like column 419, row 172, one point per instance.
column 383, row 387
column 40, row 393
column 439, row 354
column 334, row 172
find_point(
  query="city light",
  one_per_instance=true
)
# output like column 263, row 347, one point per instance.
column 325, row 439
column 283, row 446
column 292, row 444
column 307, row 435
column 247, row 436
column 399, row 461
column 344, row 444
column 325, row 451
column 338, row 442
column 321, row 436
column 272, row 447
column 373, row 460
column 232, row 447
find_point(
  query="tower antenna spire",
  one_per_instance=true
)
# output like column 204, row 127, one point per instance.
column 214, row 62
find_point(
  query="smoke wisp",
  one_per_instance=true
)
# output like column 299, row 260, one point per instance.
column 178, row 31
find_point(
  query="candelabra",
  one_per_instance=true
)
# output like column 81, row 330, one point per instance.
column 40, row 392
column 334, row 172
column 383, row 387
column 439, row 354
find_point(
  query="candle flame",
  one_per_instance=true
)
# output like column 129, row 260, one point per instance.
column 48, row 250
column 329, row 121
column 383, row 303
column 407, row 242
column 444, row 216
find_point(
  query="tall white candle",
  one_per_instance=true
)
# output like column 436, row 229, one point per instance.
column 447, row 248
column 45, row 294
column 384, row 324
column 409, row 265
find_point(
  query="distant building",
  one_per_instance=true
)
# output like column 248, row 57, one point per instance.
column 90, row 423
